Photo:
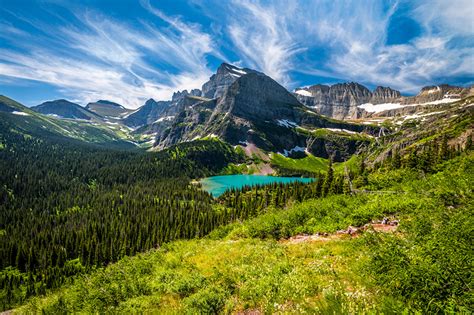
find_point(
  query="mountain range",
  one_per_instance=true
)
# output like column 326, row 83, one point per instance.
column 81, row 194
column 248, row 108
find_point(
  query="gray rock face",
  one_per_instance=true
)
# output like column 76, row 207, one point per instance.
column 65, row 109
column 253, row 109
column 226, row 75
column 180, row 95
column 341, row 101
column 384, row 95
column 107, row 109
column 434, row 93
column 337, row 101
column 258, row 96
column 146, row 114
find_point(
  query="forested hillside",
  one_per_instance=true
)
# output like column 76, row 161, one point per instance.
column 291, row 260
column 67, row 208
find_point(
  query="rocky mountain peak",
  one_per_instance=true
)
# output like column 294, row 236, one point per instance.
column 64, row 109
column 108, row 103
column 226, row 75
column 438, row 92
column 256, row 94
column 384, row 94
column 182, row 94
column 107, row 109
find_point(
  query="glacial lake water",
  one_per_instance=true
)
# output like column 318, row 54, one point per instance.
column 217, row 185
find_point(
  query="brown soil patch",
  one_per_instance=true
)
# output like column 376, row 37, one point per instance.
column 349, row 233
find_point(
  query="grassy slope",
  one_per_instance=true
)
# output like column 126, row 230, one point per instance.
column 311, row 163
column 36, row 124
column 247, row 266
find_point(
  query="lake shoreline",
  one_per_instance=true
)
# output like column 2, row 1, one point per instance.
column 217, row 185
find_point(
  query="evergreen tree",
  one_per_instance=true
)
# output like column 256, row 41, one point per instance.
column 328, row 180
column 396, row 160
column 444, row 149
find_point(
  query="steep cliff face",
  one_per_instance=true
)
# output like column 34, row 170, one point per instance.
column 146, row 114
column 338, row 101
column 343, row 101
column 218, row 83
column 384, row 95
column 254, row 109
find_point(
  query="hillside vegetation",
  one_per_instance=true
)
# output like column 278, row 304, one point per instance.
column 98, row 229
column 251, row 265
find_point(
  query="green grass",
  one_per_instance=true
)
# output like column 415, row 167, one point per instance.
column 309, row 163
column 248, row 274
column 248, row 266
column 313, row 164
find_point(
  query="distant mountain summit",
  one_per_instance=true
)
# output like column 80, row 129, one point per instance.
column 65, row 109
column 254, row 110
column 146, row 114
column 225, row 75
column 107, row 109
column 351, row 100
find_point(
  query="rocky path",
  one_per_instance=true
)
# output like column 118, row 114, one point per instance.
column 384, row 226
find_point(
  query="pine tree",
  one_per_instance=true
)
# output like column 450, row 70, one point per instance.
column 328, row 180
column 444, row 149
column 396, row 160
column 468, row 143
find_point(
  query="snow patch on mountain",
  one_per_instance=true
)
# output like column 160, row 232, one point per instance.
column 20, row 113
column 165, row 118
column 235, row 71
column 286, row 123
column 341, row 130
column 445, row 100
column 303, row 92
column 295, row 149
column 371, row 108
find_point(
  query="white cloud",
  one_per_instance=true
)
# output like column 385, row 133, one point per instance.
column 106, row 59
column 262, row 39
column 345, row 40
column 353, row 38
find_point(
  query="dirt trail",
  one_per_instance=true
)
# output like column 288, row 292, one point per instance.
column 351, row 231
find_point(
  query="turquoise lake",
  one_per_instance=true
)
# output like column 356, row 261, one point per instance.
column 217, row 185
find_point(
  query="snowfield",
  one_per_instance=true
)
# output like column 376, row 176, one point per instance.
column 295, row 149
column 20, row 113
column 371, row 108
column 442, row 101
column 304, row 93
column 286, row 123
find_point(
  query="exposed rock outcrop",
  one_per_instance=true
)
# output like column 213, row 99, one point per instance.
column 146, row 114
column 384, row 95
column 65, row 109
column 218, row 83
column 338, row 101
column 342, row 101
column 256, row 110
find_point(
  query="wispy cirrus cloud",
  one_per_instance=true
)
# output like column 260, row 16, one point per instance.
column 350, row 40
column 90, row 55
column 104, row 58
column 262, row 38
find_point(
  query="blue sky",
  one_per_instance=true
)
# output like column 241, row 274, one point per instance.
column 128, row 51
